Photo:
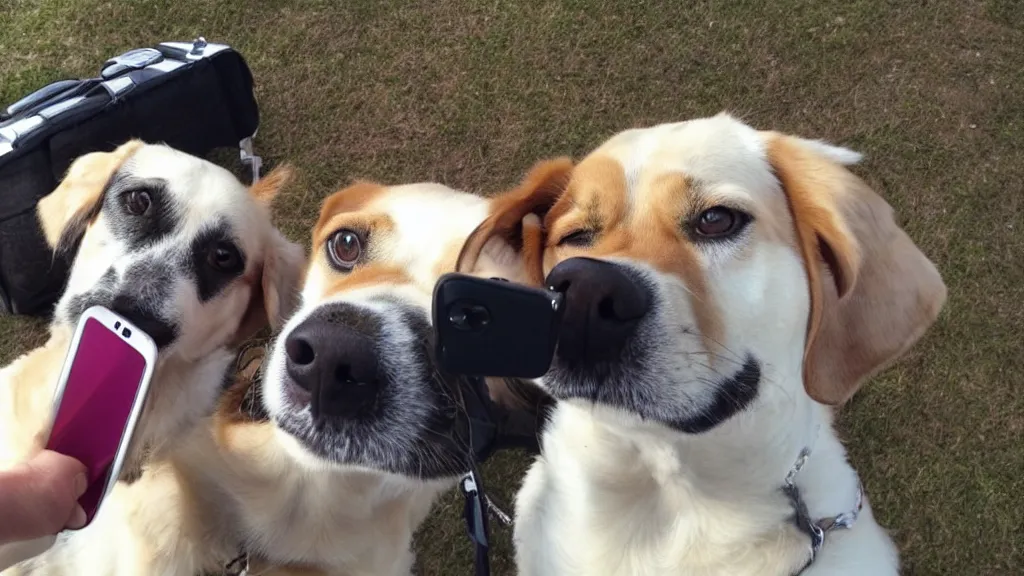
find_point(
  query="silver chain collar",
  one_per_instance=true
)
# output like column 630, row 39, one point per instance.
column 817, row 529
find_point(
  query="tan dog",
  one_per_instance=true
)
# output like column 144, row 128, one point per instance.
column 724, row 287
column 187, row 253
column 332, row 461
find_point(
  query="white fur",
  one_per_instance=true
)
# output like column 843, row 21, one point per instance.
column 190, row 370
column 614, row 494
column 290, row 504
column 243, row 483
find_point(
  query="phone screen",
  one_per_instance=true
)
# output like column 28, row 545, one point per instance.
column 102, row 384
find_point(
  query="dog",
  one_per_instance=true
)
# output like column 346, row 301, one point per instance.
column 725, row 288
column 180, row 248
column 329, row 460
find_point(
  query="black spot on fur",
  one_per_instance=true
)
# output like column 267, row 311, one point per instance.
column 211, row 280
column 731, row 397
column 143, row 288
column 140, row 231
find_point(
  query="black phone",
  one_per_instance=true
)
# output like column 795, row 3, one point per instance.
column 493, row 327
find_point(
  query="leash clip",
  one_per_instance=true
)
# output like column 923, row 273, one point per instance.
column 474, row 510
column 249, row 159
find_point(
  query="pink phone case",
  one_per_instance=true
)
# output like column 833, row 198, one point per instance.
column 104, row 379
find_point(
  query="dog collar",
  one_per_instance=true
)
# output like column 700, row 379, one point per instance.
column 816, row 530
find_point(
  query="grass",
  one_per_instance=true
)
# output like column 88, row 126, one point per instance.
column 471, row 93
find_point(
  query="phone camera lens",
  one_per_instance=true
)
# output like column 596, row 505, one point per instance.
column 117, row 325
column 469, row 317
column 126, row 333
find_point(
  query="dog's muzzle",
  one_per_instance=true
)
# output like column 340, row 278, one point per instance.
column 604, row 304
column 332, row 360
column 136, row 297
column 131, row 310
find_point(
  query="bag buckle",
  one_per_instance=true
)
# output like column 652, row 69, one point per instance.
column 250, row 159
column 198, row 45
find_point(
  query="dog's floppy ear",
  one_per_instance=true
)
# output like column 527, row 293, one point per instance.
column 284, row 261
column 510, row 243
column 282, row 272
column 873, row 292
column 66, row 212
column 265, row 189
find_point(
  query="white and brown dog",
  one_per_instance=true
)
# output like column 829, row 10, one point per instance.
column 724, row 288
column 330, row 463
column 182, row 249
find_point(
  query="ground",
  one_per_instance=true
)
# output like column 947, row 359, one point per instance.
column 471, row 93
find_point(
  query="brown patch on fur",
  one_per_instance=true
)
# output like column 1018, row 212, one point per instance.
column 265, row 189
column 605, row 192
column 66, row 212
column 649, row 232
column 231, row 404
column 883, row 292
column 681, row 259
column 538, row 192
column 562, row 207
column 350, row 199
column 596, row 196
column 362, row 276
column 232, row 431
column 369, row 224
column 533, row 249
column 659, row 231
column 532, row 239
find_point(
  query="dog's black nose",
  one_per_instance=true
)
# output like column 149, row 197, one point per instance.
column 604, row 303
column 336, row 364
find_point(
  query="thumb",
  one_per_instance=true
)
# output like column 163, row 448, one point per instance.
column 40, row 497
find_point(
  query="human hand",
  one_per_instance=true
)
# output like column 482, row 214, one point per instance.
column 40, row 497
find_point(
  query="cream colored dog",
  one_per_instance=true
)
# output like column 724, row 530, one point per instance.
column 187, row 253
column 724, row 287
column 331, row 462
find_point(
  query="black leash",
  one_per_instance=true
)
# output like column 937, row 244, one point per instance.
column 491, row 429
column 475, row 515
column 483, row 436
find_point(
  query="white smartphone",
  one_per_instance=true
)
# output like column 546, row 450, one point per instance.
column 99, row 397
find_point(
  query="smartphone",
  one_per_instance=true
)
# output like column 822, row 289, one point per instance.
column 99, row 397
column 492, row 327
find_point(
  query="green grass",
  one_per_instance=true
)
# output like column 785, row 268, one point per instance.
column 471, row 93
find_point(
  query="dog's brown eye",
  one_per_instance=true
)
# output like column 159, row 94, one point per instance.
column 344, row 249
column 224, row 257
column 137, row 202
column 720, row 222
